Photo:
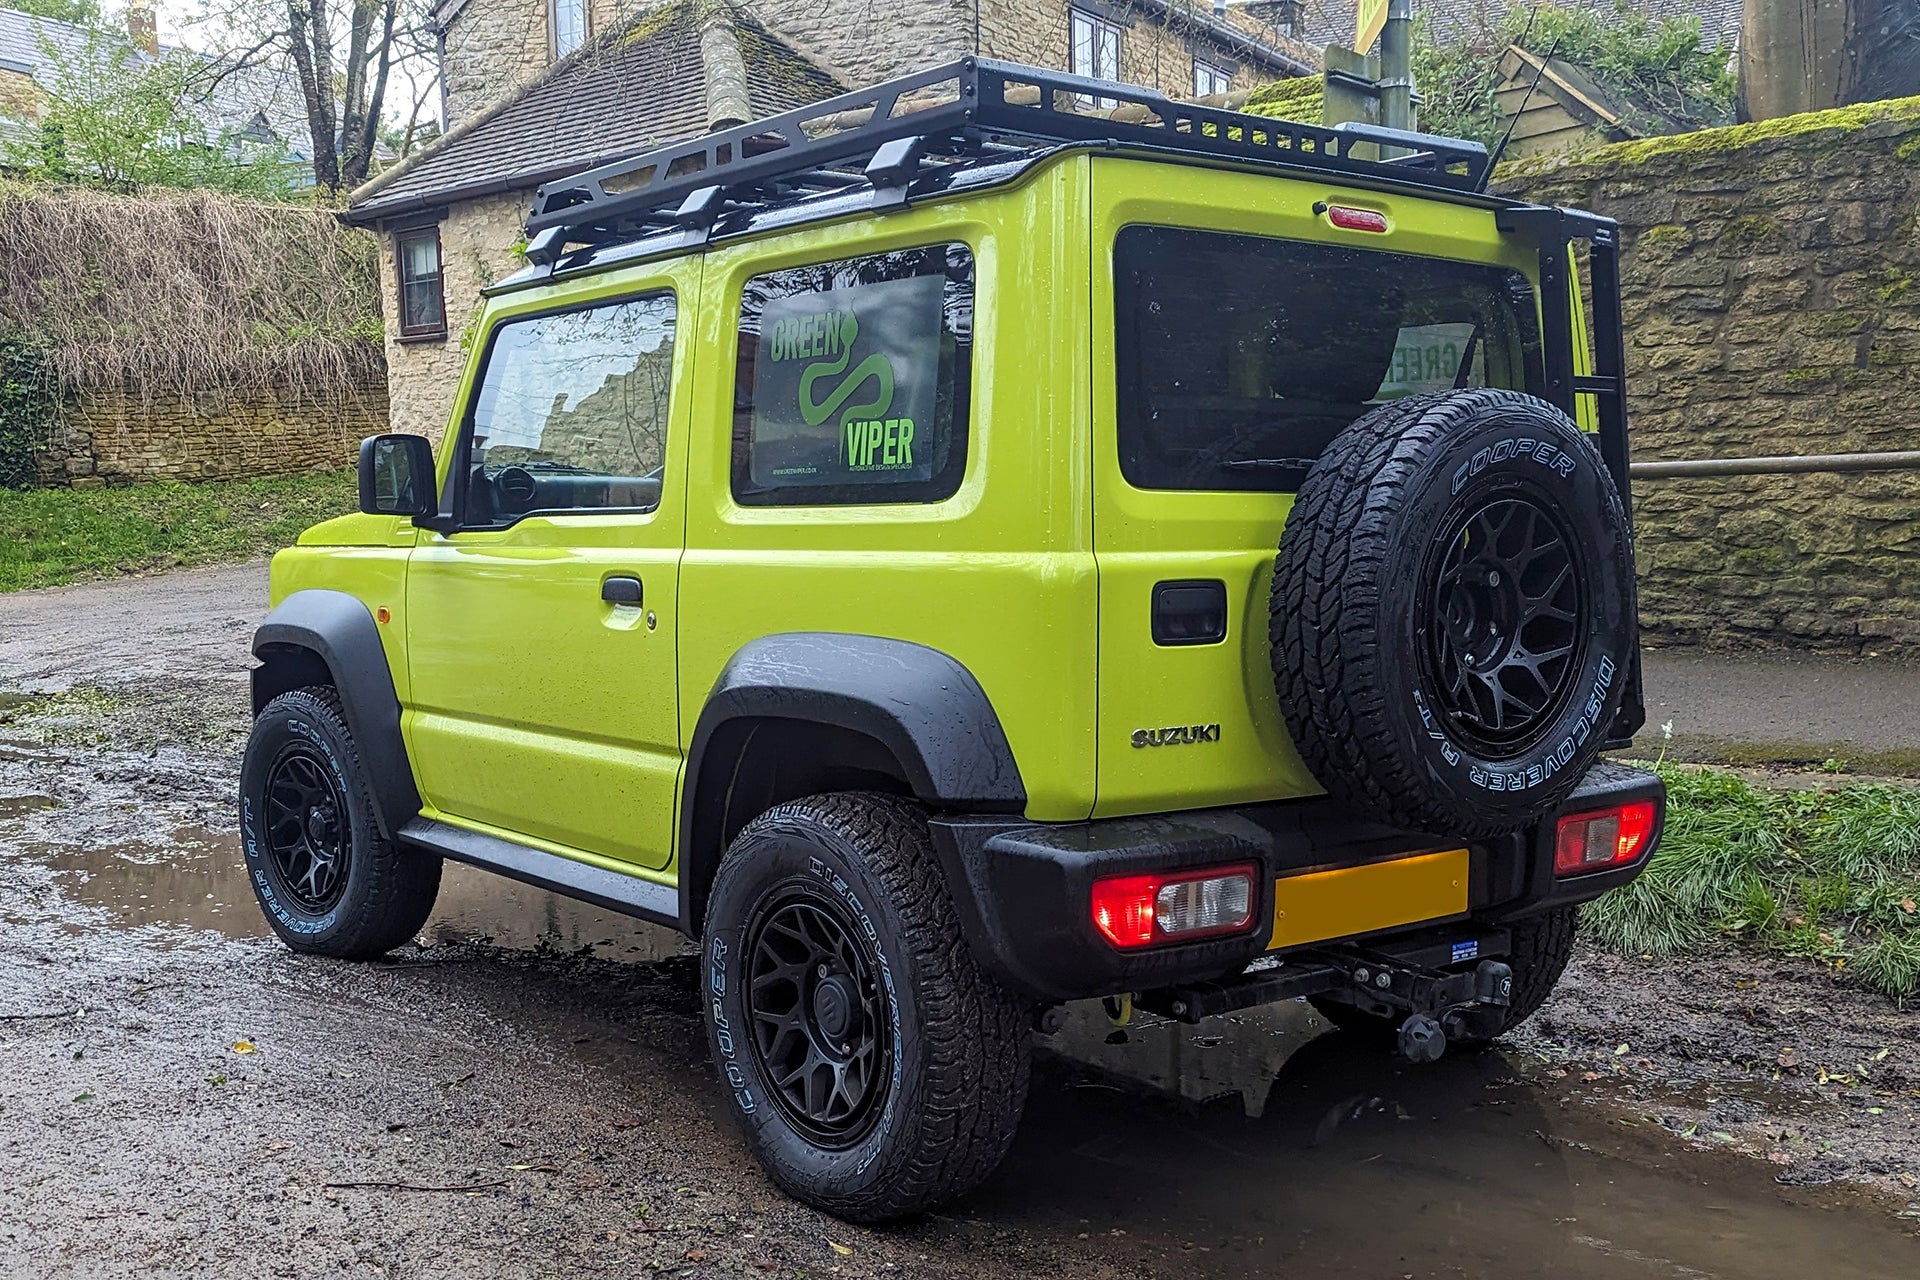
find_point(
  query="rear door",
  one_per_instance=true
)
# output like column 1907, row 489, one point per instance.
column 1236, row 333
column 542, row 633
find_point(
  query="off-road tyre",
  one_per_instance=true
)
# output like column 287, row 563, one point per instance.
column 1541, row 944
column 956, row 1044
column 1402, row 515
column 386, row 892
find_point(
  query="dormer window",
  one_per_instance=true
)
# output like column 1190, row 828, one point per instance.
column 568, row 23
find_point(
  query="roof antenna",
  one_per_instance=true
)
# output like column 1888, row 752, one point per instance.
column 1486, row 175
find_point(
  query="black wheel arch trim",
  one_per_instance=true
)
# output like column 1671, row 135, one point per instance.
column 338, row 631
column 923, row 706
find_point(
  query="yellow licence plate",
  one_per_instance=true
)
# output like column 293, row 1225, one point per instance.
column 1317, row 905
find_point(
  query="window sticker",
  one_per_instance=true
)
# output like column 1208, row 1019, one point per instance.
column 844, row 385
column 1428, row 357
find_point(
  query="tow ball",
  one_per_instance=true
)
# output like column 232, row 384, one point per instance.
column 1439, row 1007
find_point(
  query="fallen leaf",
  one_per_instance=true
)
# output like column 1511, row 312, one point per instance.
column 1623, row 1050
column 1876, row 1111
column 83, row 1097
column 1909, row 906
column 1589, row 1076
column 696, row 1255
column 244, row 1046
column 1882, row 1055
column 840, row 1249
column 1788, row 1058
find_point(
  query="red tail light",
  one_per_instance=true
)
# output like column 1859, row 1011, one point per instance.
column 1603, row 839
column 1178, row 906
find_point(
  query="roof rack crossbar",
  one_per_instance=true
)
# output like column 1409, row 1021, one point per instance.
column 976, row 108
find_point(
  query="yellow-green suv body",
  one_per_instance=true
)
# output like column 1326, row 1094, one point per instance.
column 956, row 487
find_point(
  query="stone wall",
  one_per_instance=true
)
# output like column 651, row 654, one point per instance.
column 119, row 438
column 1770, row 301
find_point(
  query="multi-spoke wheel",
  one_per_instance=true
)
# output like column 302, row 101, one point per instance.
column 327, row 880
column 875, row 1070
column 1507, row 595
column 307, row 836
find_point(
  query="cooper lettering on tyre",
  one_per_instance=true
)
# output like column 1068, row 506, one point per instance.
column 1452, row 611
column 327, row 881
column 874, row 1069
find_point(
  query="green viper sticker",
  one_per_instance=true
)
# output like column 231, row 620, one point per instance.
column 844, row 384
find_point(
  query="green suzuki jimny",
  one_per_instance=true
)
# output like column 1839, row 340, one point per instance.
column 953, row 551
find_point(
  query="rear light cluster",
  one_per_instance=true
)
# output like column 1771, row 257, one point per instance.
column 1174, row 906
column 1606, row 838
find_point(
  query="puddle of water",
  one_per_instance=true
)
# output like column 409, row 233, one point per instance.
column 15, row 806
column 198, row 882
column 1257, row 1145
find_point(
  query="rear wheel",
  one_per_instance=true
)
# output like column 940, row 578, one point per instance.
column 1542, row 945
column 875, row 1070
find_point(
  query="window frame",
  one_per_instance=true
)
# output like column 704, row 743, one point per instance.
column 941, row 487
column 454, row 503
column 436, row 332
column 1096, row 25
column 554, row 51
column 1205, row 69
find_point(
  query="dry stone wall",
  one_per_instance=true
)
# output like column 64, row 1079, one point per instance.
column 1771, row 308
column 119, row 438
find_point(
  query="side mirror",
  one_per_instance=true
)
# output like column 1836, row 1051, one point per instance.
column 396, row 476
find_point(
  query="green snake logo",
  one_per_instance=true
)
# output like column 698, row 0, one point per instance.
column 876, row 367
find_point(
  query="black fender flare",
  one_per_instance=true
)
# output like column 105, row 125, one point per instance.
column 922, row 705
column 338, row 630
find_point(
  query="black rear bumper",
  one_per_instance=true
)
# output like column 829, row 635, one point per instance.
column 1023, row 890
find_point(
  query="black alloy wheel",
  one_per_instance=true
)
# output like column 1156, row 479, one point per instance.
column 818, row 1014
column 1505, row 587
column 308, row 836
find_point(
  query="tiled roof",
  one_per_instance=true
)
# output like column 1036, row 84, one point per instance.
column 638, row 86
column 1331, row 21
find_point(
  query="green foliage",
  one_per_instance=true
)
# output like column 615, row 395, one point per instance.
column 26, row 409
column 51, row 536
column 81, row 13
column 1300, row 99
column 120, row 121
column 1661, row 67
column 1831, row 874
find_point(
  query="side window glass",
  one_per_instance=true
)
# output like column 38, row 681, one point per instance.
column 853, row 379
column 571, row 413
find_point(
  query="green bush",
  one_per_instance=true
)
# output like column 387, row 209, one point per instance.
column 26, row 410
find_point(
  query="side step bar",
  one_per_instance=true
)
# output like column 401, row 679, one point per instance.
column 615, row 890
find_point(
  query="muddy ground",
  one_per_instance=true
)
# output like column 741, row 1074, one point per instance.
column 526, row 1092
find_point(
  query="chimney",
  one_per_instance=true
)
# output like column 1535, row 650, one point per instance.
column 142, row 29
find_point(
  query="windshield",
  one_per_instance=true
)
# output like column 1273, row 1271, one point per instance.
column 1241, row 357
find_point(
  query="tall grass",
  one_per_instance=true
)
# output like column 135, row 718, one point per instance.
column 1832, row 874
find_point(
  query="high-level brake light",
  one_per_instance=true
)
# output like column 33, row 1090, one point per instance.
column 1603, row 839
column 1174, row 906
column 1348, row 218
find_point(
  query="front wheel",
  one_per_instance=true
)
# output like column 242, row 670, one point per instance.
column 875, row 1070
column 328, row 882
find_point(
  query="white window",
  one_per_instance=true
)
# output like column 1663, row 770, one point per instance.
column 1209, row 80
column 1095, row 51
column 569, row 19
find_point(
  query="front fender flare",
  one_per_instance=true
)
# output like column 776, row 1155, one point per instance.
column 339, row 631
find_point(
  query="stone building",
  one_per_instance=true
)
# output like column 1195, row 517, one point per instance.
column 1323, row 22
column 537, row 89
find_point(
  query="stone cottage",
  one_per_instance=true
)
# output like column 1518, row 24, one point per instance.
column 538, row 89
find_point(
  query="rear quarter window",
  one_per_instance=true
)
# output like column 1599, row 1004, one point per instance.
column 852, row 382
column 1240, row 358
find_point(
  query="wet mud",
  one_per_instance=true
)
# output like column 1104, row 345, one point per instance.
column 526, row 1092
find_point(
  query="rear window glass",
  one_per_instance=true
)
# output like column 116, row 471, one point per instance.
column 852, row 381
column 1241, row 357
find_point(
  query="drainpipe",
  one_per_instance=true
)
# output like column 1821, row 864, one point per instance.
column 1396, row 66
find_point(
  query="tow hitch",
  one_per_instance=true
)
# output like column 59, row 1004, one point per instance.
column 1407, row 982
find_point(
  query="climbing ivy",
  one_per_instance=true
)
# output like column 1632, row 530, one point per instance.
column 26, row 410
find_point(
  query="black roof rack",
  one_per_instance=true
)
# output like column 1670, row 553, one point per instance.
column 893, row 134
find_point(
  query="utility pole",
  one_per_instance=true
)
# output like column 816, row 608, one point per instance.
column 1396, row 66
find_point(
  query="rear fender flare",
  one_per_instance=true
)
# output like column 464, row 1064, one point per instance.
column 923, row 706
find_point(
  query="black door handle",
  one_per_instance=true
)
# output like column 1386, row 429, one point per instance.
column 621, row 591
column 1190, row 612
